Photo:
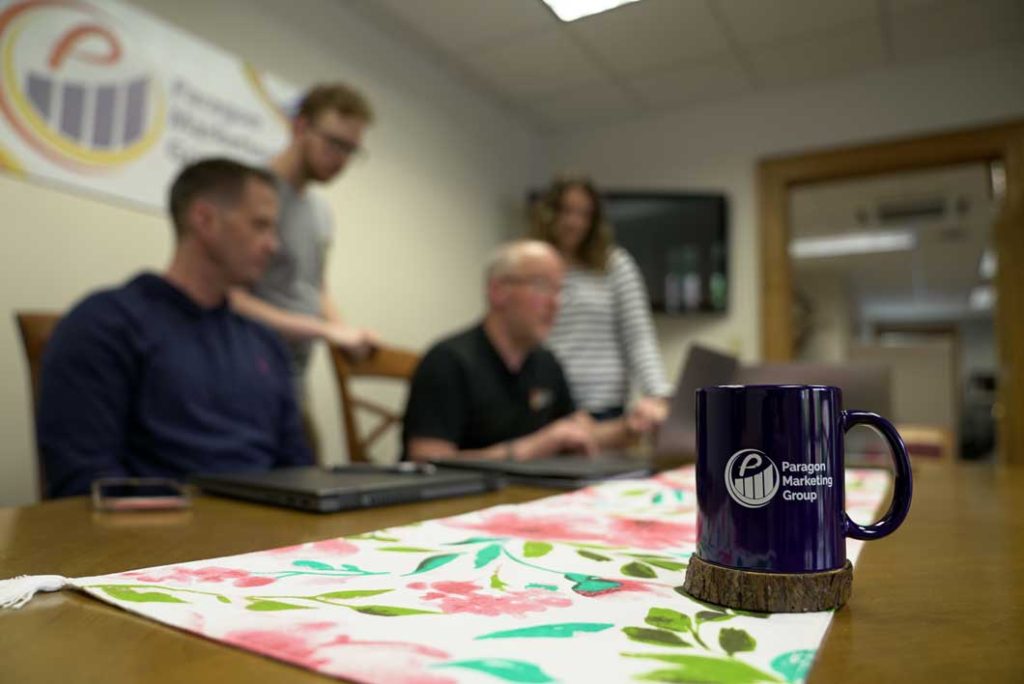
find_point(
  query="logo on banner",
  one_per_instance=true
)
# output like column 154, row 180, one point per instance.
column 751, row 478
column 75, row 88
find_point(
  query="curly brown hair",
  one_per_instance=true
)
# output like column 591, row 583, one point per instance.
column 596, row 245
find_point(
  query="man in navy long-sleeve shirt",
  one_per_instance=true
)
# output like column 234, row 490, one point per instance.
column 159, row 377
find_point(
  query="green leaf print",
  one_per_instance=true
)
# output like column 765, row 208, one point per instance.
column 712, row 616
column 696, row 668
column 486, row 555
column 661, row 562
column 391, row 611
column 735, row 641
column 666, row 618
column 794, row 665
column 638, row 569
column 405, row 549
column 223, row 599
column 655, row 637
column 508, row 670
column 266, row 604
column 588, row 585
column 353, row 593
column 497, row 583
column 710, row 606
column 536, row 549
column 476, row 540
column 558, row 631
column 592, row 556
column 136, row 596
column 312, row 565
column 373, row 536
column 434, row 562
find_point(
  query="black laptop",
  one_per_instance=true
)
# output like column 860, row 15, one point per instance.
column 561, row 472
column 676, row 441
column 309, row 488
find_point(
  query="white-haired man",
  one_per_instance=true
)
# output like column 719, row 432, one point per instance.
column 493, row 391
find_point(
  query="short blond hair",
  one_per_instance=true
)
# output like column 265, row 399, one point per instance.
column 337, row 97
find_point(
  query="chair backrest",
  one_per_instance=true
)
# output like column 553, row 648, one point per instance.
column 36, row 327
column 386, row 362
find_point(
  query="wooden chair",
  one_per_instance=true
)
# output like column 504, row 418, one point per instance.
column 36, row 328
column 929, row 442
column 386, row 362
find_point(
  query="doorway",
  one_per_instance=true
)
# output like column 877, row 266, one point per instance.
column 1001, row 147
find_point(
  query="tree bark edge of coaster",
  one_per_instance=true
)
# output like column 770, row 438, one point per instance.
column 768, row 592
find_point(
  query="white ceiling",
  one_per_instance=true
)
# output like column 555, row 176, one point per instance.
column 936, row 276
column 660, row 54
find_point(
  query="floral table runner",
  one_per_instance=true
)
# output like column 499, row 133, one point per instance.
column 580, row 587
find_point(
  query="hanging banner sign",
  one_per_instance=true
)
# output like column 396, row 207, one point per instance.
column 102, row 97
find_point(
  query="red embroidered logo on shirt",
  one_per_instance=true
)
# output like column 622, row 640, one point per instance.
column 540, row 398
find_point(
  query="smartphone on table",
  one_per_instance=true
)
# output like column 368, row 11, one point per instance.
column 138, row 494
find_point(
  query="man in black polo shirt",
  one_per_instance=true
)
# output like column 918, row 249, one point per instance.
column 493, row 391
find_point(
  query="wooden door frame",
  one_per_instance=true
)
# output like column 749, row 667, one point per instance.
column 1003, row 141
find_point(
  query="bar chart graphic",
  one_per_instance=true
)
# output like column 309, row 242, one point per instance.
column 751, row 478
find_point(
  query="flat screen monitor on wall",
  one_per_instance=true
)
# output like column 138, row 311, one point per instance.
column 679, row 240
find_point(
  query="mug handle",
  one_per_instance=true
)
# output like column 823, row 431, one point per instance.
column 903, row 487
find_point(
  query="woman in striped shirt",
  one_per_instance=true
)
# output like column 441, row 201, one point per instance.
column 604, row 336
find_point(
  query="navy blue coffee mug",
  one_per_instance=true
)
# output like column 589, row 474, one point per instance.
column 770, row 478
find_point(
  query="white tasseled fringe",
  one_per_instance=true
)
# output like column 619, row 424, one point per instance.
column 14, row 593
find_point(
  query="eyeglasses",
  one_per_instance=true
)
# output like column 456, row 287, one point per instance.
column 538, row 285
column 340, row 146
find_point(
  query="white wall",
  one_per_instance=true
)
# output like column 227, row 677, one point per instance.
column 717, row 146
column 443, row 184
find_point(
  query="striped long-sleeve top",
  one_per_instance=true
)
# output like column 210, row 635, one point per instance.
column 604, row 335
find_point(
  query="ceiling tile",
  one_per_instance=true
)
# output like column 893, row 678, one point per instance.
column 945, row 28
column 543, row 62
column 833, row 53
column 455, row 25
column 651, row 33
column 759, row 22
column 594, row 103
column 694, row 82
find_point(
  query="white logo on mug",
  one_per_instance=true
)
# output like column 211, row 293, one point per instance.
column 751, row 478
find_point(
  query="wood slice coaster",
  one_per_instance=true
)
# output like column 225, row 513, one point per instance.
column 768, row 592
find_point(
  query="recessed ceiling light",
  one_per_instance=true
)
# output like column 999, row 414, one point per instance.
column 571, row 10
column 982, row 298
column 988, row 266
column 853, row 243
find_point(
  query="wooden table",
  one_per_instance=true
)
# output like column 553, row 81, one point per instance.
column 904, row 623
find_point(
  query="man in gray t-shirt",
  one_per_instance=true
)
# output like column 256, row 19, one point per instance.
column 293, row 297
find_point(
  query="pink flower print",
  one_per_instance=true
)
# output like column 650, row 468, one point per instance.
column 282, row 645
column 395, row 662
column 650, row 534
column 516, row 524
column 635, row 533
column 208, row 575
column 467, row 597
column 337, row 547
